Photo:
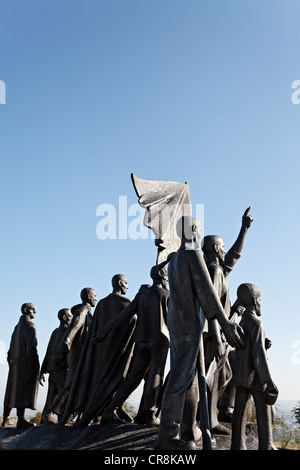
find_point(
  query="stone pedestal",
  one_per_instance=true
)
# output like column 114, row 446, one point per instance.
column 124, row 437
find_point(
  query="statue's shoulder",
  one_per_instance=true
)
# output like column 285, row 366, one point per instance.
column 190, row 255
column 215, row 269
column 28, row 323
column 113, row 299
column 249, row 321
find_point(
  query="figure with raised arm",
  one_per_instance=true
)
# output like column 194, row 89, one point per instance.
column 218, row 354
column 192, row 301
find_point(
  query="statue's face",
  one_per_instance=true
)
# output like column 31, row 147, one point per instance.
column 67, row 318
column 221, row 249
column 164, row 281
column 30, row 310
column 257, row 303
column 93, row 298
column 197, row 235
column 123, row 285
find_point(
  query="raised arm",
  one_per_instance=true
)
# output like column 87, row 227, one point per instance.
column 234, row 252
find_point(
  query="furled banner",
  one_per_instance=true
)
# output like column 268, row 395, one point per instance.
column 165, row 202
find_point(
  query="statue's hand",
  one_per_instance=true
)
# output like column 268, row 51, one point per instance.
column 234, row 335
column 247, row 218
column 42, row 379
column 219, row 349
column 236, row 308
column 271, row 387
column 99, row 336
column 268, row 343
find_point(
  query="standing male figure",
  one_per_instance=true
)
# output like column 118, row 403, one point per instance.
column 102, row 365
column 71, row 346
column 57, row 372
column 108, row 307
column 191, row 293
column 151, row 338
column 22, row 383
column 219, row 265
column 252, row 375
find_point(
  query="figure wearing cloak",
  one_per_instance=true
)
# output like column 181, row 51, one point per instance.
column 22, row 382
column 57, row 373
column 103, row 366
column 218, row 354
column 71, row 348
column 150, row 351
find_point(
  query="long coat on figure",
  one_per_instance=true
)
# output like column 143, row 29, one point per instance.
column 22, row 382
column 102, row 366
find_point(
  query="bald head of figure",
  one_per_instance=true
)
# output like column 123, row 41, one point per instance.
column 88, row 295
column 28, row 309
column 188, row 230
column 249, row 296
column 213, row 246
column 119, row 284
column 159, row 275
column 65, row 316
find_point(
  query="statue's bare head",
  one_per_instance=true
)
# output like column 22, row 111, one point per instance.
column 119, row 284
column 65, row 315
column 249, row 296
column 159, row 275
column 28, row 309
column 213, row 245
column 88, row 295
column 188, row 230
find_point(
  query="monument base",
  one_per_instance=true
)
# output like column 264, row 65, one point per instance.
column 115, row 437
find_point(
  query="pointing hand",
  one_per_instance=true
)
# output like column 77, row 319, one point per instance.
column 247, row 218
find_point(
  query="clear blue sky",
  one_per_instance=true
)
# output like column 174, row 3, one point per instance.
column 180, row 90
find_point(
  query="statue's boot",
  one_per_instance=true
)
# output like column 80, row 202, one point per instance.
column 24, row 424
column 147, row 417
column 7, row 423
column 219, row 429
column 175, row 444
column 110, row 417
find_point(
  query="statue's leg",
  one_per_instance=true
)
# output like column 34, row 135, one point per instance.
column 264, row 422
column 22, row 423
column 239, row 419
column 183, row 358
column 153, row 382
column 6, row 419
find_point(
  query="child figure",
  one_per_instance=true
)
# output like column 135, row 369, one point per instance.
column 57, row 373
column 252, row 376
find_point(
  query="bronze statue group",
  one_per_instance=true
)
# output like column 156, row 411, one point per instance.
column 95, row 361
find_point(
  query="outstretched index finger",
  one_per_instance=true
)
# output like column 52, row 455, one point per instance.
column 247, row 211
